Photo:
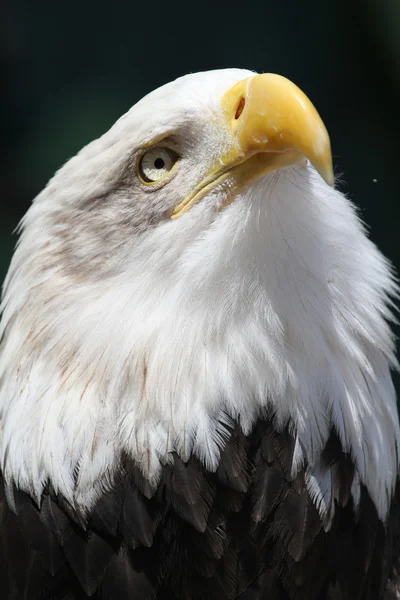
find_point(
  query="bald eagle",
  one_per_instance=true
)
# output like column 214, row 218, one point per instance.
column 195, row 390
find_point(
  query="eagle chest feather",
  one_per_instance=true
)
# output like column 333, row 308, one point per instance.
column 250, row 530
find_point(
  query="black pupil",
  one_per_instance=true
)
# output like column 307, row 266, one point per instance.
column 159, row 163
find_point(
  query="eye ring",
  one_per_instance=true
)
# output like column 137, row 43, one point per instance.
column 155, row 164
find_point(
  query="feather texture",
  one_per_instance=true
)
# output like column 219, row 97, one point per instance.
column 249, row 530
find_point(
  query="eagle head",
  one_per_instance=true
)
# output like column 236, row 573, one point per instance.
column 192, row 268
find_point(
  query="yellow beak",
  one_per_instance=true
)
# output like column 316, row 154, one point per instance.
column 273, row 124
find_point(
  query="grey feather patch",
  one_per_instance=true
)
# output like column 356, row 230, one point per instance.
column 319, row 483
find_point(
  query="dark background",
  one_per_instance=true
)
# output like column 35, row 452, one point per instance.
column 70, row 69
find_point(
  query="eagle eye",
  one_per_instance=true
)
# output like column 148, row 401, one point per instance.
column 155, row 164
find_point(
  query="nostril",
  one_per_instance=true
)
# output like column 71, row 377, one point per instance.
column 240, row 108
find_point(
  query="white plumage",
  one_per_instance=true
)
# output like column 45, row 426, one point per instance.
column 153, row 342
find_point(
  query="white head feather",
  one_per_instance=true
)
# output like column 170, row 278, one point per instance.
column 124, row 330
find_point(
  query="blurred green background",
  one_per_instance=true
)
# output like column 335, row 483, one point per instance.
column 70, row 69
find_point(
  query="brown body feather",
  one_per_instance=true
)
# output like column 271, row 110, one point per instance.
column 249, row 531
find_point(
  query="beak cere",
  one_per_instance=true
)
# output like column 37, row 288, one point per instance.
column 272, row 124
column 270, row 114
